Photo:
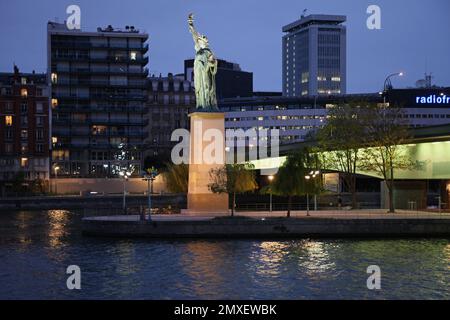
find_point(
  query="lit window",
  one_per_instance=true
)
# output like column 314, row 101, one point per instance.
column 23, row 80
column 24, row 134
column 133, row 55
column 54, row 140
column 24, row 93
column 54, row 103
column 24, row 162
column 54, row 78
column 8, row 121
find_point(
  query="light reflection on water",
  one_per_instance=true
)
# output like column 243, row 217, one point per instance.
column 37, row 247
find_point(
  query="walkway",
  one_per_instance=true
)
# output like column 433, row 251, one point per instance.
column 328, row 214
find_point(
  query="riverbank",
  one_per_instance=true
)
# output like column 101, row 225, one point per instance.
column 260, row 225
column 86, row 202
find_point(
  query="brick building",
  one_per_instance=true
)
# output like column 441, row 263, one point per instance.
column 24, row 129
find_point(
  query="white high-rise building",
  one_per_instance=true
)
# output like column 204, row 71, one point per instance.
column 314, row 56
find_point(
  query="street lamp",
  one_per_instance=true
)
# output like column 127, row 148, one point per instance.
column 56, row 177
column 311, row 175
column 125, row 175
column 270, row 188
column 388, row 85
column 150, row 176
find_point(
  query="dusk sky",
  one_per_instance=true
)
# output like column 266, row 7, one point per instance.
column 414, row 37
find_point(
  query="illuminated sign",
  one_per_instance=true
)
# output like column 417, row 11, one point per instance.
column 433, row 99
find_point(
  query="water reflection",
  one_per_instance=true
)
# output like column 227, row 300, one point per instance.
column 57, row 225
column 36, row 248
column 267, row 257
column 315, row 259
column 204, row 263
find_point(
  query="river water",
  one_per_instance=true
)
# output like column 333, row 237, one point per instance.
column 36, row 247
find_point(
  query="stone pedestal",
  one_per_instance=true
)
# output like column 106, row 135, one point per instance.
column 207, row 151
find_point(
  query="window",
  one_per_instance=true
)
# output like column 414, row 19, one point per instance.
column 24, row 134
column 39, row 107
column 24, row 93
column 54, row 78
column 39, row 121
column 8, row 121
column 39, row 134
column 8, row 147
column 23, row 80
column 133, row 55
column 54, row 103
column 24, row 107
column 8, row 134
column 24, row 147
column 24, row 162
column 24, row 121
column 39, row 147
column 39, row 92
column 9, row 107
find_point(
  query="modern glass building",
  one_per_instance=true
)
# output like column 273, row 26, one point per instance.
column 98, row 95
column 314, row 56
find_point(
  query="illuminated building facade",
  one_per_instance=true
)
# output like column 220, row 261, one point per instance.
column 24, row 128
column 314, row 56
column 98, row 95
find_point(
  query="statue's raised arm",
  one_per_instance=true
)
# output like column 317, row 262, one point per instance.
column 205, row 69
column 195, row 34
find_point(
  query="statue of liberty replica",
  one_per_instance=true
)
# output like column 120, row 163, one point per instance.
column 205, row 69
column 207, row 121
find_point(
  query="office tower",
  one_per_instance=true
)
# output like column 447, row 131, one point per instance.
column 314, row 56
column 231, row 81
column 170, row 100
column 98, row 95
column 24, row 130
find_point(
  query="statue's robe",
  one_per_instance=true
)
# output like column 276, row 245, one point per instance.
column 205, row 80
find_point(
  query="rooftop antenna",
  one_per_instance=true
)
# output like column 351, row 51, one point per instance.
column 304, row 13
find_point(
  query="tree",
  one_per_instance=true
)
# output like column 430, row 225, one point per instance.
column 18, row 184
column 290, row 180
column 176, row 177
column 38, row 186
column 233, row 179
column 340, row 142
column 386, row 134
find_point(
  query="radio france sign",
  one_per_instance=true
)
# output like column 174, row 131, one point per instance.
column 433, row 99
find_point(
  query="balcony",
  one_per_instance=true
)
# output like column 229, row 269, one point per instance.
column 106, row 83
column 74, row 97
column 89, row 45
column 142, row 61
column 70, row 108
column 100, row 71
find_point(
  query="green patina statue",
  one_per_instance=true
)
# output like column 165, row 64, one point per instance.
column 205, row 69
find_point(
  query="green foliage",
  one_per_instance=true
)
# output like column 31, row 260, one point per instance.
column 291, row 177
column 38, row 186
column 386, row 133
column 341, row 140
column 176, row 177
column 233, row 179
